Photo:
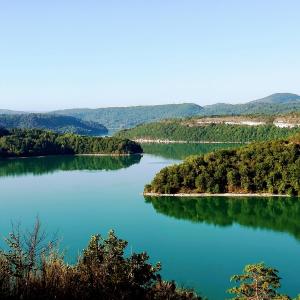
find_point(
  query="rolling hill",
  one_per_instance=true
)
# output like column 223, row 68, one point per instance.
column 274, row 104
column 60, row 124
column 127, row 117
column 279, row 98
column 116, row 118
column 11, row 112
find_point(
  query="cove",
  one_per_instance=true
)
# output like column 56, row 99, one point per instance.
column 200, row 242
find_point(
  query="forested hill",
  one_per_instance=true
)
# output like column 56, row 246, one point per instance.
column 57, row 123
column 127, row 117
column 269, row 167
column 116, row 118
column 183, row 130
column 11, row 112
column 34, row 142
column 274, row 104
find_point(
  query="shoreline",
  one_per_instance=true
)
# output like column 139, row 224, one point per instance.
column 216, row 195
column 159, row 141
column 54, row 155
column 107, row 154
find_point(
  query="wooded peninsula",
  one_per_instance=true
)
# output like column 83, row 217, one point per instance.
column 190, row 131
column 268, row 167
column 35, row 142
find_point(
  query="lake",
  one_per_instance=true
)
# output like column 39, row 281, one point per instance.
column 200, row 242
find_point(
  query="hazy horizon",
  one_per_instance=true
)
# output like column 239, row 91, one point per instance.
column 120, row 106
column 72, row 54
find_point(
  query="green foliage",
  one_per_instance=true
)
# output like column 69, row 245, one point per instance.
column 126, row 117
column 32, row 269
column 34, row 142
column 258, row 282
column 60, row 124
column 270, row 167
column 272, row 105
column 281, row 214
column 3, row 131
column 176, row 131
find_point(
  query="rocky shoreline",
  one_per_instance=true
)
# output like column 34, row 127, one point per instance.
column 215, row 195
column 158, row 141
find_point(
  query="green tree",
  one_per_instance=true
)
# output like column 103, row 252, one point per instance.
column 258, row 282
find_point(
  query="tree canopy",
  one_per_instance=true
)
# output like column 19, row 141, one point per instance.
column 34, row 142
column 266, row 167
column 178, row 130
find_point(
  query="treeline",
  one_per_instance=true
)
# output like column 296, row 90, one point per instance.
column 34, row 142
column 175, row 130
column 269, row 167
column 250, row 108
column 32, row 268
column 57, row 123
column 50, row 164
column 281, row 214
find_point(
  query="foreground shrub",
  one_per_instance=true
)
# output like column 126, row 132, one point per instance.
column 32, row 269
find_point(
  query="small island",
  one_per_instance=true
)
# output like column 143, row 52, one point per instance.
column 35, row 142
column 264, row 169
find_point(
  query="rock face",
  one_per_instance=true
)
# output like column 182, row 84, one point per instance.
column 287, row 121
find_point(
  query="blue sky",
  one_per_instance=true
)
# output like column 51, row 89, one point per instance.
column 70, row 53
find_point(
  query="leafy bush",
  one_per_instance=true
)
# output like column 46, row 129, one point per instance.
column 32, row 269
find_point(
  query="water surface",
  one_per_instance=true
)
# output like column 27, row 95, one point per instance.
column 200, row 242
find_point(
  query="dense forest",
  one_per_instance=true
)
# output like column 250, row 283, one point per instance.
column 127, row 117
column 57, row 123
column 267, row 167
column 176, row 130
column 50, row 164
column 35, row 142
column 280, row 214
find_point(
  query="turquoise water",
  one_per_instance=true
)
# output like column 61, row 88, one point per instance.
column 200, row 242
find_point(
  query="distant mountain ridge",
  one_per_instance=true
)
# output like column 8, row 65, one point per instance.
column 127, row 117
column 279, row 98
column 271, row 105
column 116, row 118
column 11, row 112
column 60, row 124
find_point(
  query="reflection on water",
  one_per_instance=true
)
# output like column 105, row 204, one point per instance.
column 275, row 213
column 181, row 151
column 50, row 164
